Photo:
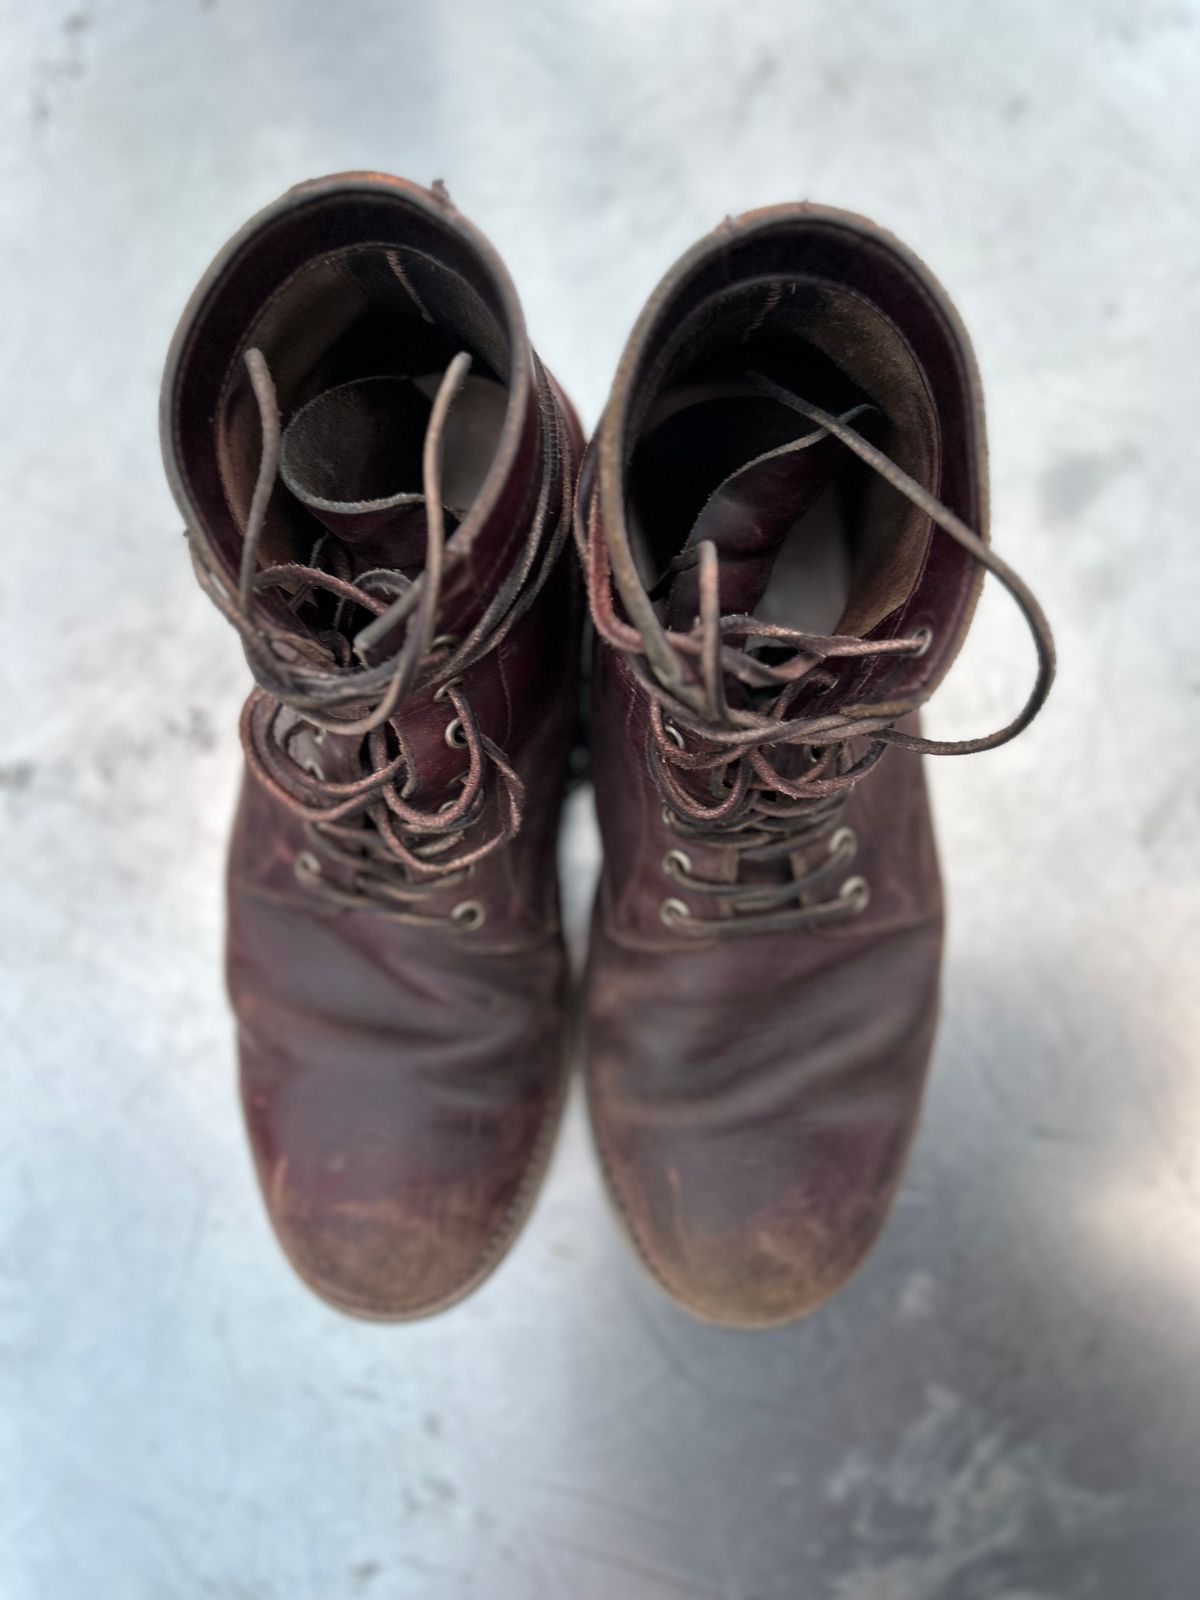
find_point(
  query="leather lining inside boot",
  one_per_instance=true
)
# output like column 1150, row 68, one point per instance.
column 356, row 343
column 353, row 456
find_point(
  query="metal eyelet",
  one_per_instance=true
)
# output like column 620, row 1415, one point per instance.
column 317, row 733
column 306, row 865
column 844, row 839
column 671, row 909
column 669, row 817
column 673, row 733
column 445, row 641
column 314, row 769
column 679, row 860
column 455, row 735
column 444, row 690
column 471, row 913
column 857, row 890
column 924, row 636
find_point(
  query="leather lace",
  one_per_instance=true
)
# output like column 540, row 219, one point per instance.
column 396, row 855
column 738, row 753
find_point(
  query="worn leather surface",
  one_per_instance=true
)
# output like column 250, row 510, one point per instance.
column 753, row 1098
column 401, row 1087
column 753, row 1101
column 400, row 1084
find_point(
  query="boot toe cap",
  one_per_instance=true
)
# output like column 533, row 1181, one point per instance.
column 394, row 1257
column 388, row 1207
column 754, row 1143
column 757, row 1270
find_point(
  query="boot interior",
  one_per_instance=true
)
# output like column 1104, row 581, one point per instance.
column 357, row 343
column 702, row 427
column 359, row 291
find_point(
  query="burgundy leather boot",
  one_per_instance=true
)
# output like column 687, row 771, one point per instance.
column 783, row 518
column 376, row 474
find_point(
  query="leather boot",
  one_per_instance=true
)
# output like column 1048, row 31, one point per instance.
column 376, row 474
column 783, row 518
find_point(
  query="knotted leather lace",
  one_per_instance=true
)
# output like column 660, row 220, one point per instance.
column 395, row 853
column 698, row 741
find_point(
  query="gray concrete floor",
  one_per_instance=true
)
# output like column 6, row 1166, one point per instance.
column 1005, row 1404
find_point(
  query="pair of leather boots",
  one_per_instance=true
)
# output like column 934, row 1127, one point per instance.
column 780, row 531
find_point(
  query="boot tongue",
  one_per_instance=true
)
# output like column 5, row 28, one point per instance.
column 749, row 516
column 353, row 456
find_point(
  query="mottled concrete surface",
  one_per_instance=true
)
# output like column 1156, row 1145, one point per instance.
column 1005, row 1404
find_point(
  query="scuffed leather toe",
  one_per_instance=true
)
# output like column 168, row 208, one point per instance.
column 755, row 1268
column 363, row 1203
column 754, row 1174
column 368, row 1222
column 400, row 1117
